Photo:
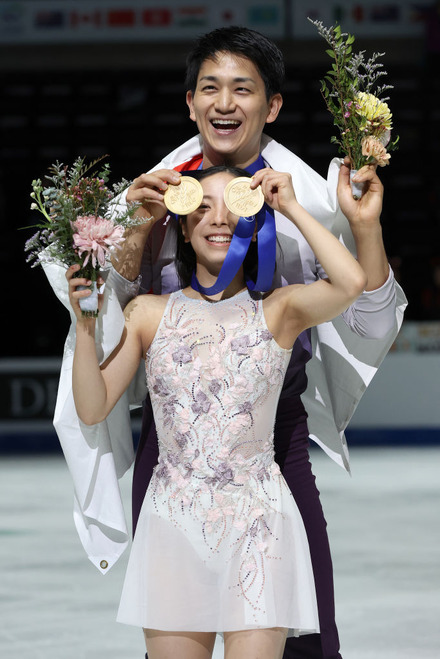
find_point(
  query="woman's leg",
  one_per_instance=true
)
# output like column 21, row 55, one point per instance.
column 255, row 644
column 292, row 455
column 179, row 645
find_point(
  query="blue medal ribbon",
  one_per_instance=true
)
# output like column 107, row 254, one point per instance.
column 265, row 221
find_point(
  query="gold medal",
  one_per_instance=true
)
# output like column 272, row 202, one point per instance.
column 240, row 199
column 184, row 198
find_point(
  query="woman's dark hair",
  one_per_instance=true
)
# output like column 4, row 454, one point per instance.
column 241, row 41
column 186, row 257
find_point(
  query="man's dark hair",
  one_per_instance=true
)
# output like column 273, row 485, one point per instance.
column 241, row 41
column 186, row 256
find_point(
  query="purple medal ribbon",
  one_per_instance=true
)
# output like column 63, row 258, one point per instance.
column 265, row 221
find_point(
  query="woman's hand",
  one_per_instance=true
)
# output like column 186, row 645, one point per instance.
column 76, row 295
column 365, row 211
column 148, row 189
column 277, row 189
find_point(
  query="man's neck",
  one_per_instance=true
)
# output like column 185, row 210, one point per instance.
column 215, row 159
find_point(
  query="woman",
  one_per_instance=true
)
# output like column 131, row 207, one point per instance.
column 220, row 545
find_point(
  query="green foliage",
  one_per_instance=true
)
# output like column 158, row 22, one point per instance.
column 73, row 192
column 349, row 77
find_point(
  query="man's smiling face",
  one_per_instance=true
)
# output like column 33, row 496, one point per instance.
column 230, row 108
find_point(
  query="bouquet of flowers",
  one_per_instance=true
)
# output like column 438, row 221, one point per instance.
column 80, row 224
column 352, row 95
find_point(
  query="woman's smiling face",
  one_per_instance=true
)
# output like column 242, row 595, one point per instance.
column 230, row 108
column 210, row 228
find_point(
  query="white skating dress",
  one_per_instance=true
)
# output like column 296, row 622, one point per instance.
column 220, row 544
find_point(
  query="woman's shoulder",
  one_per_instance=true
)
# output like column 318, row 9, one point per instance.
column 152, row 301
column 147, row 306
column 143, row 316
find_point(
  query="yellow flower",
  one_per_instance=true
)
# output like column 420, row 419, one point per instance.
column 375, row 111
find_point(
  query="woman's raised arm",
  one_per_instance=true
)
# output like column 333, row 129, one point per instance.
column 325, row 299
column 96, row 389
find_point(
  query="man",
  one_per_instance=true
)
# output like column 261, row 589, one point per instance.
column 234, row 79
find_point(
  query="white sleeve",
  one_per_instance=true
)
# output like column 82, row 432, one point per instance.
column 373, row 314
column 124, row 289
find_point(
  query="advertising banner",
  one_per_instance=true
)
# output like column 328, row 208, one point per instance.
column 49, row 22
column 405, row 18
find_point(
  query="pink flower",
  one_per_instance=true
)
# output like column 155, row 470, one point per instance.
column 240, row 524
column 183, row 421
column 214, row 368
column 373, row 148
column 95, row 236
column 250, row 565
column 197, row 464
column 241, row 479
column 257, row 512
column 236, row 426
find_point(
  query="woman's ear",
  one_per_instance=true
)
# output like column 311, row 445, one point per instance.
column 182, row 222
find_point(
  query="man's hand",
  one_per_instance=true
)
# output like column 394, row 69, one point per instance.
column 148, row 189
column 363, row 216
column 365, row 211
